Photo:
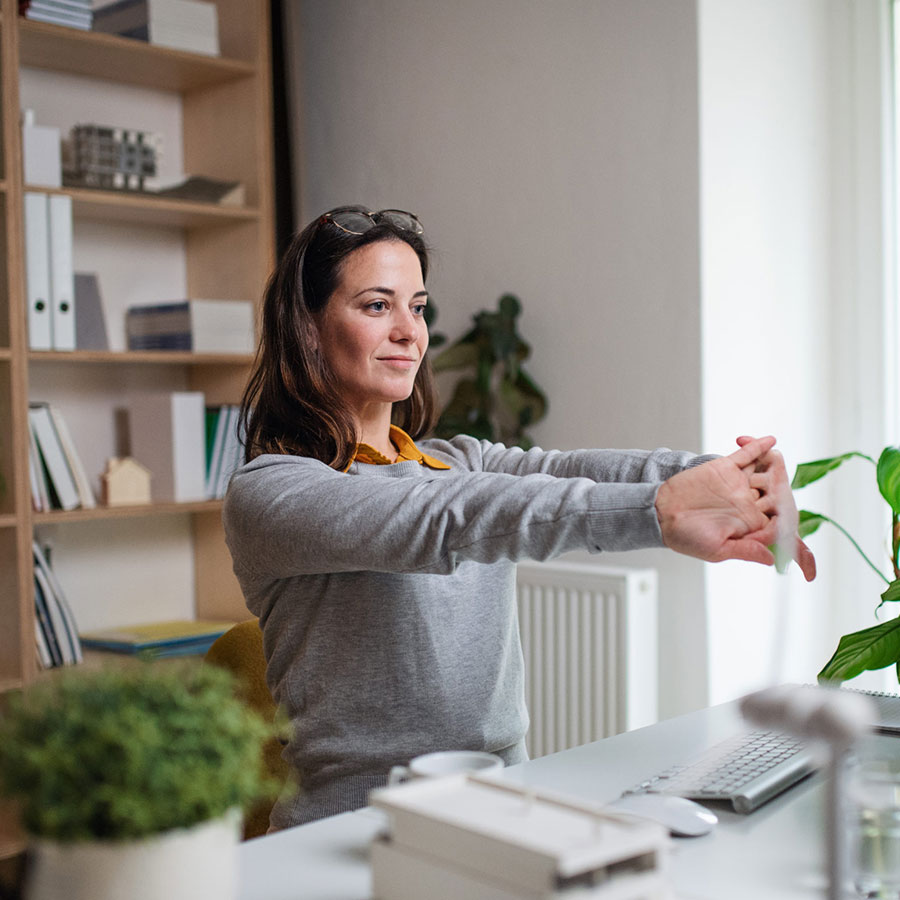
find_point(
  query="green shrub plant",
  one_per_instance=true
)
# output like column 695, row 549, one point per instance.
column 122, row 753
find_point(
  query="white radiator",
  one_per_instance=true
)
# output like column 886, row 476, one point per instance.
column 589, row 637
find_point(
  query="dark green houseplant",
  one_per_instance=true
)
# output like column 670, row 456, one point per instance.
column 878, row 646
column 496, row 399
column 118, row 754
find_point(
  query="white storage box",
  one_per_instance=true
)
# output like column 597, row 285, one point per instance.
column 475, row 837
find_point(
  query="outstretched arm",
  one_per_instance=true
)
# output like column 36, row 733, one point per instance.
column 734, row 507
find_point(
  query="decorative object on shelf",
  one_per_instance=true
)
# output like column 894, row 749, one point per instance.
column 878, row 646
column 499, row 400
column 179, row 24
column 107, row 157
column 71, row 13
column 125, row 482
column 41, row 153
column 131, row 780
column 201, row 326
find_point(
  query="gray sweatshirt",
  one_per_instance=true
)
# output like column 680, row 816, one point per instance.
column 386, row 594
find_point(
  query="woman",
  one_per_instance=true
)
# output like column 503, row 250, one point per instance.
column 382, row 566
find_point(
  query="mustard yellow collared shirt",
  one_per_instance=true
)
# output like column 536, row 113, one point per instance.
column 407, row 450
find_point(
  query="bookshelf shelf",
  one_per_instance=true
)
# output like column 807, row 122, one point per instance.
column 7, row 521
column 144, row 209
column 101, row 513
column 5, row 354
column 114, row 58
column 146, row 357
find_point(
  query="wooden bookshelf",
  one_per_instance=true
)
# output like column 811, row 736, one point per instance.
column 145, row 209
column 225, row 252
column 142, row 357
column 113, row 58
column 100, row 513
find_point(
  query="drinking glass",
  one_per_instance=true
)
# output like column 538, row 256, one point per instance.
column 873, row 807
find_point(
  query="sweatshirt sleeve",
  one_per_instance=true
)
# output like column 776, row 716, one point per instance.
column 608, row 466
column 287, row 516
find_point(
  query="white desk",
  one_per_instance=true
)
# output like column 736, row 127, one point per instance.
column 775, row 853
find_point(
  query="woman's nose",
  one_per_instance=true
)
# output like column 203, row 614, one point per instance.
column 405, row 327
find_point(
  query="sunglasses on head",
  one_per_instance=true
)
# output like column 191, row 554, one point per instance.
column 353, row 222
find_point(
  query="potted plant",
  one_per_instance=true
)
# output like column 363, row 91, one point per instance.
column 878, row 646
column 131, row 780
column 498, row 400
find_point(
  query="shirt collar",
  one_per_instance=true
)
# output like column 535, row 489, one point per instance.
column 407, row 450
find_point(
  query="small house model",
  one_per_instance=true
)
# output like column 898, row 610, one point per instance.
column 125, row 482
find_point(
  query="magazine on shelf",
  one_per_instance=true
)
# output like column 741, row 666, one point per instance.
column 54, row 612
column 158, row 639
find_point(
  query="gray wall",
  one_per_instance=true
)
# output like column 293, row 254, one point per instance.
column 551, row 149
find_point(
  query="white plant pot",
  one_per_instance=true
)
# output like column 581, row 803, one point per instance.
column 183, row 864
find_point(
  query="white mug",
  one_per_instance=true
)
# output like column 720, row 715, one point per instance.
column 445, row 762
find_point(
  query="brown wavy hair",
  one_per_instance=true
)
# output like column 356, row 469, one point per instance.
column 292, row 404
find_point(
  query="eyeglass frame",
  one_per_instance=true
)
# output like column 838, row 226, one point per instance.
column 373, row 217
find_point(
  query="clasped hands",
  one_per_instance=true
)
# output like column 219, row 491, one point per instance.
column 734, row 507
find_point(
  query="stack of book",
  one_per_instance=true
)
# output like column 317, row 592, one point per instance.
column 201, row 326
column 56, row 636
column 157, row 640
column 224, row 448
column 189, row 25
column 73, row 13
column 58, row 477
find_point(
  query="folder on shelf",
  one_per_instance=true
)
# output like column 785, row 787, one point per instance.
column 76, row 467
column 61, row 480
column 90, row 323
column 37, row 270
column 216, row 421
column 62, row 278
column 168, row 436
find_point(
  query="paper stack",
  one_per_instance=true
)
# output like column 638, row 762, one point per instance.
column 189, row 25
column 471, row 836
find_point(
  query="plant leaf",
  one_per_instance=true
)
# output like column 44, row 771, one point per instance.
column 889, row 476
column 809, row 472
column 809, row 522
column 460, row 355
column 892, row 593
column 871, row 648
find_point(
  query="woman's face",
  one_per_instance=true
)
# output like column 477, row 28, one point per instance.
column 372, row 331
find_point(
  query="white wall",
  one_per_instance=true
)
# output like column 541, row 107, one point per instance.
column 793, row 302
column 551, row 150
column 680, row 195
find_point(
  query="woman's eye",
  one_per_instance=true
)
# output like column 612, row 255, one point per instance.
column 378, row 306
column 419, row 309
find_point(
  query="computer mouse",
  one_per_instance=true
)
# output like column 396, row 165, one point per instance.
column 683, row 818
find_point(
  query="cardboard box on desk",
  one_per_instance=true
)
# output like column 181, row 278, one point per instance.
column 471, row 836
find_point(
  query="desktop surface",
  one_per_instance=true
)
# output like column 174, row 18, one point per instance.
column 775, row 852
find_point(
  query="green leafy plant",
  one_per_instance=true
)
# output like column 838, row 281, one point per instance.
column 497, row 401
column 878, row 646
column 123, row 753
